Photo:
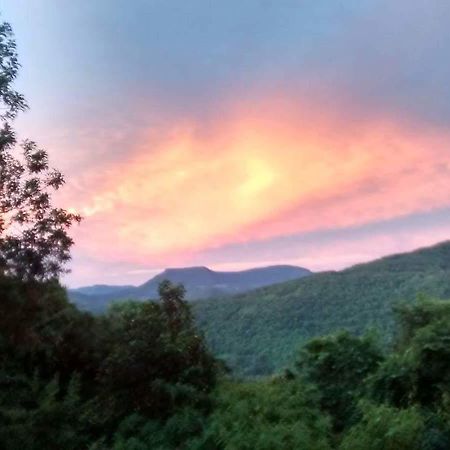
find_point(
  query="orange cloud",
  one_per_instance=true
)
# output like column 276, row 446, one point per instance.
column 265, row 170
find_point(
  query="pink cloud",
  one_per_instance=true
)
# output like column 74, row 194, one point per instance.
column 266, row 169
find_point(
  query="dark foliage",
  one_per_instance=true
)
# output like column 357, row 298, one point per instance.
column 67, row 377
column 156, row 361
column 34, row 240
column 336, row 364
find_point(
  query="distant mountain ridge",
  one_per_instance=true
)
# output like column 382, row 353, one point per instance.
column 200, row 283
column 101, row 289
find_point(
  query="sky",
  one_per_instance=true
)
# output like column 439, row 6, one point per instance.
column 242, row 133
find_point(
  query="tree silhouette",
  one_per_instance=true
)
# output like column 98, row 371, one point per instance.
column 34, row 240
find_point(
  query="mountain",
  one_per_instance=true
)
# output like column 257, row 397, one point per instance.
column 200, row 283
column 101, row 289
column 259, row 332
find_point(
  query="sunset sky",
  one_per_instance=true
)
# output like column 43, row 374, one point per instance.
column 235, row 134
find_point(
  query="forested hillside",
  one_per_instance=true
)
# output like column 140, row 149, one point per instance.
column 259, row 332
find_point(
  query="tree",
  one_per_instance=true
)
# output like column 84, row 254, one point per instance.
column 34, row 240
column 176, row 309
column 385, row 428
column 412, row 318
column 36, row 415
column 419, row 372
column 157, row 361
column 265, row 415
column 337, row 364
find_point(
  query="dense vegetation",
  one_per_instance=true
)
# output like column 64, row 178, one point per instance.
column 140, row 377
column 257, row 333
column 347, row 394
column 68, row 379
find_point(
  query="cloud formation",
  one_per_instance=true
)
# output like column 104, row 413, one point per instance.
column 189, row 128
column 270, row 168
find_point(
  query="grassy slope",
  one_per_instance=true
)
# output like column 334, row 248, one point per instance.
column 259, row 332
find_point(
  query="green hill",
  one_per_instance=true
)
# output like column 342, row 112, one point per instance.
column 259, row 332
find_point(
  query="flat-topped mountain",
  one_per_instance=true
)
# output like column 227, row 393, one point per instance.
column 200, row 283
